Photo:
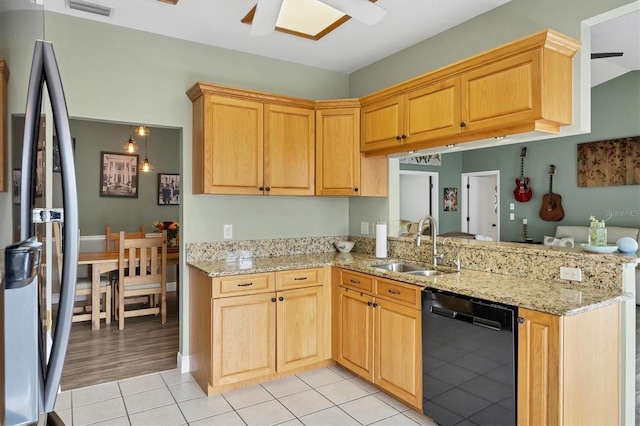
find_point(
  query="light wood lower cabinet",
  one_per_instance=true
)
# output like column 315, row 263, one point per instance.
column 568, row 368
column 378, row 333
column 251, row 328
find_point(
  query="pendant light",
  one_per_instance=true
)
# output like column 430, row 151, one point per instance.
column 130, row 146
column 142, row 131
column 146, row 166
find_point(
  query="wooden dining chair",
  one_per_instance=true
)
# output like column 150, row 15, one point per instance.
column 84, row 287
column 113, row 238
column 148, row 279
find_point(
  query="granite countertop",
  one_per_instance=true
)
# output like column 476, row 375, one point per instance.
column 550, row 297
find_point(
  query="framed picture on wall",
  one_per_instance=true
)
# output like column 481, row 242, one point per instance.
column 168, row 189
column 118, row 175
column 451, row 199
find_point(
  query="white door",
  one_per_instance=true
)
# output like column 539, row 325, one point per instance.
column 481, row 204
column 418, row 195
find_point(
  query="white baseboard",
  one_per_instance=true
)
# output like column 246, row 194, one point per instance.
column 55, row 297
column 183, row 363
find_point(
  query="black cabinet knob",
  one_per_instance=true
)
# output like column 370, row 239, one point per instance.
column 463, row 124
column 404, row 137
column 398, row 138
column 267, row 189
column 520, row 320
column 261, row 188
column 281, row 298
column 369, row 303
column 375, row 305
column 355, row 189
column 273, row 299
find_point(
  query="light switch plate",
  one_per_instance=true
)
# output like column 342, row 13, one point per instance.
column 512, row 216
column 228, row 231
column 512, row 206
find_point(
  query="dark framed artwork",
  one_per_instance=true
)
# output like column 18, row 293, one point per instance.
column 451, row 199
column 168, row 189
column 610, row 162
column 56, row 153
column 118, row 175
column 17, row 184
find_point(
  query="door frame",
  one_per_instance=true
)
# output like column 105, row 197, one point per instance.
column 464, row 198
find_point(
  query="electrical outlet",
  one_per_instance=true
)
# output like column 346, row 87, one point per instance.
column 364, row 228
column 572, row 274
column 228, row 231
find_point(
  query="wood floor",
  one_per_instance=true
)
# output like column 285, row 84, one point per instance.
column 144, row 346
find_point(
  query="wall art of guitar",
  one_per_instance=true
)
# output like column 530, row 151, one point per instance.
column 523, row 191
column 551, row 209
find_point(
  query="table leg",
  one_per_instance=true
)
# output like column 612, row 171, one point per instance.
column 95, row 297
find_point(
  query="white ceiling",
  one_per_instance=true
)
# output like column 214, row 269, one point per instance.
column 621, row 34
column 352, row 46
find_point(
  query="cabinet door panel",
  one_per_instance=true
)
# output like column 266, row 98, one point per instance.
column 300, row 330
column 243, row 338
column 538, row 368
column 381, row 124
column 398, row 358
column 289, row 151
column 502, row 93
column 355, row 332
column 433, row 111
column 232, row 151
column 338, row 151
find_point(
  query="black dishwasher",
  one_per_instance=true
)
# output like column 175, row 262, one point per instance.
column 468, row 360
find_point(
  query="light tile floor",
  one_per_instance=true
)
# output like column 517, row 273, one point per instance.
column 327, row 396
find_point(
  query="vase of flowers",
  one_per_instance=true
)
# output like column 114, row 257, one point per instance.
column 172, row 229
column 597, row 232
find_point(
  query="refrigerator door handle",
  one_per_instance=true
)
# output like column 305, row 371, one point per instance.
column 45, row 69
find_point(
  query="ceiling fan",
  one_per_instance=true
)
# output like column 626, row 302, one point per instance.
column 267, row 11
column 606, row 55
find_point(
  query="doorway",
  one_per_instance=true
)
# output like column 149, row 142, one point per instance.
column 418, row 194
column 481, row 203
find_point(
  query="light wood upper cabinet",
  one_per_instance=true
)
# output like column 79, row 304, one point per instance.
column 253, row 143
column 4, row 78
column 289, row 150
column 522, row 86
column 228, row 146
column 568, row 368
column 341, row 169
column 425, row 113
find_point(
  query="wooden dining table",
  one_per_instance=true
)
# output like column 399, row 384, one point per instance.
column 102, row 262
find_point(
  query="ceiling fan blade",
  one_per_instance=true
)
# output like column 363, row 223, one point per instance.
column 266, row 16
column 606, row 55
column 360, row 10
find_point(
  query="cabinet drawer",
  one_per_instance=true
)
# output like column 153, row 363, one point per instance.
column 356, row 281
column 299, row 278
column 398, row 292
column 243, row 284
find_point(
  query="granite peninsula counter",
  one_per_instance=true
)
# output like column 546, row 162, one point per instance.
column 550, row 297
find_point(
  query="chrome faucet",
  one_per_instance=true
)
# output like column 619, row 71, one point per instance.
column 434, row 233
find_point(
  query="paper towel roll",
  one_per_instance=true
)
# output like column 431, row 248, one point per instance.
column 381, row 239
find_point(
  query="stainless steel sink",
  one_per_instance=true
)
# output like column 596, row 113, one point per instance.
column 399, row 267
column 425, row 273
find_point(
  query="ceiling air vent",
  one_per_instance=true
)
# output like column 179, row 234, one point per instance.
column 89, row 7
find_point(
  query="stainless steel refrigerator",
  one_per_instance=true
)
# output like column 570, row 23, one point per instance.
column 31, row 372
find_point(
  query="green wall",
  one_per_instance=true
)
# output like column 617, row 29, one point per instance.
column 127, row 214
